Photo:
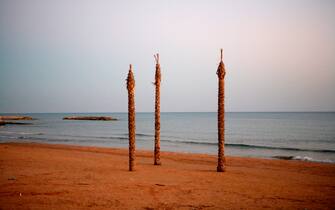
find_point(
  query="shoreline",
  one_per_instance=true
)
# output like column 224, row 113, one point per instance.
column 275, row 157
column 45, row 176
column 105, row 149
column 146, row 153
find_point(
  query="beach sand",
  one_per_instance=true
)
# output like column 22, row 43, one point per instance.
column 42, row 176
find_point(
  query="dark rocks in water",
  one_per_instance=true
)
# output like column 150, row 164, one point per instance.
column 101, row 118
column 15, row 118
column 283, row 157
column 2, row 122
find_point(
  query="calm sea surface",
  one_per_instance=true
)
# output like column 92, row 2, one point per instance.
column 302, row 136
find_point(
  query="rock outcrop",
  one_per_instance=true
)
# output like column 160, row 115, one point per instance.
column 102, row 118
column 15, row 118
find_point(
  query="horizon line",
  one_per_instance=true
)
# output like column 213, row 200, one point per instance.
column 170, row 112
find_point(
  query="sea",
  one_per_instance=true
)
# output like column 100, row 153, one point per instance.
column 305, row 136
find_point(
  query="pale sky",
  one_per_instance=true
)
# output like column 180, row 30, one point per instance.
column 73, row 56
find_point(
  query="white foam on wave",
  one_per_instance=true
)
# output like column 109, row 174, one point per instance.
column 306, row 158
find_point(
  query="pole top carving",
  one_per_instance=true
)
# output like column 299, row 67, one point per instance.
column 130, row 79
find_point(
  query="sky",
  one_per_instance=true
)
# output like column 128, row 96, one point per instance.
column 74, row 55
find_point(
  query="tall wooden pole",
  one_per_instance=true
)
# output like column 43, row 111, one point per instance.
column 131, row 118
column 157, row 157
column 221, row 72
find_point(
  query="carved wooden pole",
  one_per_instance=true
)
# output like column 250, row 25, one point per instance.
column 221, row 72
column 131, row 118
column 157, row 157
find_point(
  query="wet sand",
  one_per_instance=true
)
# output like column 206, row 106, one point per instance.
column 42, row 176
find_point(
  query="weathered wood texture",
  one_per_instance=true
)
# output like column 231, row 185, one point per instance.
column 221, row 123
column 157, row 156
column 131, row 118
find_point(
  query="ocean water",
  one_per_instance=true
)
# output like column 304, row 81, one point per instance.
column 301, row 136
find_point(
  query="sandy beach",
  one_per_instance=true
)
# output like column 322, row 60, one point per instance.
column 42, row 176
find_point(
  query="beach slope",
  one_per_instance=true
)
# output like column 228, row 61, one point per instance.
column 41, row 176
